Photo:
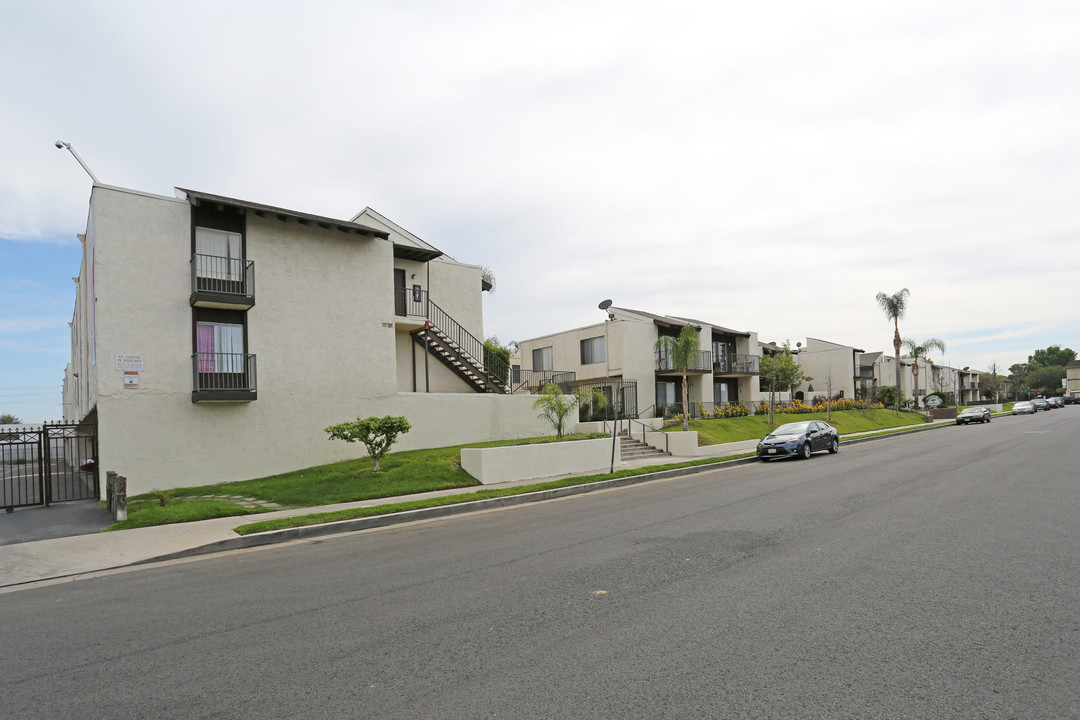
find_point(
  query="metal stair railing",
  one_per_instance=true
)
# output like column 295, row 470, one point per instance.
column 497, row 369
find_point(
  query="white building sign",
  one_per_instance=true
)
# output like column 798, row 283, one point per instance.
column 130, row 362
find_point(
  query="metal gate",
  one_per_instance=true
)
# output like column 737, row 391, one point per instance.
column 48, row 464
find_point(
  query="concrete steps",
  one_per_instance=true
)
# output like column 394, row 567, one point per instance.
column 631, row 449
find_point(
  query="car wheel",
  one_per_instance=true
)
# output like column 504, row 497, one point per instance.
column 804, row 451
column 987, row 418
column 834, row 446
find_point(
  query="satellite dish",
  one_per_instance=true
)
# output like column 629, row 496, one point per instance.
column 605, row 305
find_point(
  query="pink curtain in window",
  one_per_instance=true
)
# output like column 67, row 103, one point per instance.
column 206, row 347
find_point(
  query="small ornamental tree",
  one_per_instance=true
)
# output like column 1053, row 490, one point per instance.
column 555, row 405
column 377, row 434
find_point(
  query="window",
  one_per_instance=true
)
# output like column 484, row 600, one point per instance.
column 221, row 254
column 665, row 394
column 542, row 359
column 592, row 350
column 220, row 347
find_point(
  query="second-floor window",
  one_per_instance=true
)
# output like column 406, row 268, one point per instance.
column 220, row 254
column 592, row 350
column 542, row 359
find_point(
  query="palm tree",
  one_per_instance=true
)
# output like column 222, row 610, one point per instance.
column 917, row 350
column 894, row 306
column 682, row 352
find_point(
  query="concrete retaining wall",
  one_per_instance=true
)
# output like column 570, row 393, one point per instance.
column 527, row 462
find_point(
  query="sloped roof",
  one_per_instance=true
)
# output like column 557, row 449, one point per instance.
column 196, row 197
column 676, row 321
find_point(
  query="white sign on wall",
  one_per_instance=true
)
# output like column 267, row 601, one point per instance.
column 130, row 362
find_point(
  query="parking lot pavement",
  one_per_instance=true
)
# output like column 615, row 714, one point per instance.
column 82, row 517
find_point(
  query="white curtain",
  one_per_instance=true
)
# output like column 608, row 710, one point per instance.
column 224, row 247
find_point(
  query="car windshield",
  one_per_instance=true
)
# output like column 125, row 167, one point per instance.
column 1023, row 403
column 970, row 411
column 791, row 429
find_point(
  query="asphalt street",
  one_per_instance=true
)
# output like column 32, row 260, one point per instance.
column 928, row 576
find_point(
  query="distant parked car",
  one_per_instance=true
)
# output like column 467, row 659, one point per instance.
column 1070, row 399
column 1023, row 407
column 1056, row 402
column 799, row 439
column 973, row 414
column 1040, row 404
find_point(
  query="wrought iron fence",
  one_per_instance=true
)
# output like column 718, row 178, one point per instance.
column 621, row 394
column 47, row 464
column 700, row 410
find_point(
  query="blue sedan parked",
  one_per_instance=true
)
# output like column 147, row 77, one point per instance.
column 799, row 439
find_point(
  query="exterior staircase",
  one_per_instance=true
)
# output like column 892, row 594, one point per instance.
column 631, row 449
column 461, row 362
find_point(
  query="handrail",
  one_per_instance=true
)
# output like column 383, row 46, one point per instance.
column 644, row 429
column 495, row 367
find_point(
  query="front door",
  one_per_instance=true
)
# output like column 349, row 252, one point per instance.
column 400, row 306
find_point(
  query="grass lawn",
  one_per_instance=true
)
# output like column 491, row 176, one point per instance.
column 401, row 473
column 714, row 432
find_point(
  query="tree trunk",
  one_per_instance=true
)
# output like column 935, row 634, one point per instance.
column 896, row 347
column 686, row 403
column 915, row 372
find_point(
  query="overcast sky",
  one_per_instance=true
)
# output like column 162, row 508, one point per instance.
column 764, row 166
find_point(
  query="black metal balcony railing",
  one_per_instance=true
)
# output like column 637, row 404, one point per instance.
column 227, row 276
column 535, row 380
column 738, row 363
column 227, row 372
column 410, row 303
column 703, row 362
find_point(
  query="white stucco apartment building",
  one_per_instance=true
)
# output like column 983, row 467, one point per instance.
column 959, row 384
column 829, row 365
column 213, row 339
column 624, row 348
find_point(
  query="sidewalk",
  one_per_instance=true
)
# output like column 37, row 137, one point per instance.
column 54, row 558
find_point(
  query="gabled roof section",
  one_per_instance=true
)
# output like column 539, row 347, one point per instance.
column 200, row 198
column 673, row 321
column 838, row 346
column 406, row 245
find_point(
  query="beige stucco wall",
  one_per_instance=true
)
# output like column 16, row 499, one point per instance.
column 416, row 375
column 323, row 330
column 820, row 360
column 1072, row 378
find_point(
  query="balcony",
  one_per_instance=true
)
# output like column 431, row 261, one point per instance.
column 737, row 364
column 702, row 363
column 223, row 377
column 221, row 282
column 864, row 372
column 410, row 303
column 534, row 381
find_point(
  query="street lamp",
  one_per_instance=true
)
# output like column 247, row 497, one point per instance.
column 60, row 145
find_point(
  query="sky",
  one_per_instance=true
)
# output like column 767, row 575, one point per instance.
column 768, row 167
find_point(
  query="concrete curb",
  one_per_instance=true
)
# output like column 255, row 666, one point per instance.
column 343, row 526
